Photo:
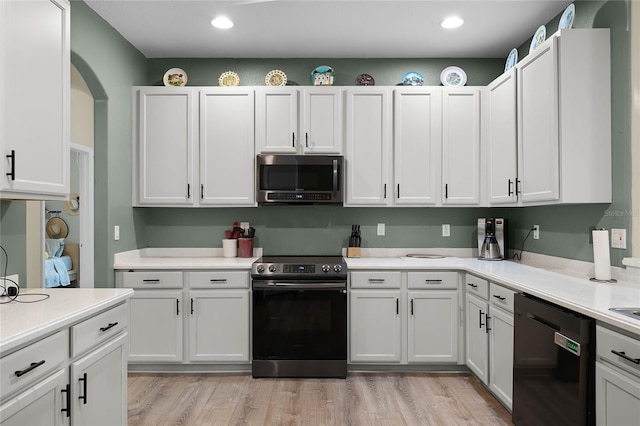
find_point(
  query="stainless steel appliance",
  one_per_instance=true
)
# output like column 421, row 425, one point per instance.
column 492, row 238
column 553, row 364
column 299, row 325
column 299, row 179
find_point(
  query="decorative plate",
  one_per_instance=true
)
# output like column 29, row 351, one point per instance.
column 175, row 77
column 512, row 59
column 322, row 76
column 412, row 78
column 538, row 38
column 229, row 78
column 275, row 78
column 453, row 76
column 566, row 20
column 365, row 80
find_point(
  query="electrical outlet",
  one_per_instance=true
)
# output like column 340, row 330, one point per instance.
column 619, row 238
column 446, row 230
column 244, row 225
column 536, row 232
column 381, row 229
column 116, row 233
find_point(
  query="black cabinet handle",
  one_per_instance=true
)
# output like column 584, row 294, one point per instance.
column 500, row 298
column 487, row 328
column 177, row 306
column 398, row 190
column 293, row 139
column 31, row 367
column 433, row 281
column 151, row 281
column 411, row 307
column 83, row 379
column 188, row 190
column 518, row 189
column 472, row 285
column 397, row 306
column 111, row 325
column 446, row 191
column 202, row 191
column 12, row 156
column 509, row 190
column 480, row 323
column 306, row 139
column 67, row 392
column 625, row 356
column 218, row 280
column 385, row 190
column 192, row 306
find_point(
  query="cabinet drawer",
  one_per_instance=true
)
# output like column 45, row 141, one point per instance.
column 501, row 296
column 626, row 349
column 98, row 329
column 477, row 286
column 375, row 279
column 219, row 279
column 433, row 280
column 148, row 279
column 33, row 362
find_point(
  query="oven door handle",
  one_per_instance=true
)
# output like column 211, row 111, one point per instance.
column 298, row 286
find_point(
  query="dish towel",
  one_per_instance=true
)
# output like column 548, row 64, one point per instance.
column 61, row 268
column 51, row 277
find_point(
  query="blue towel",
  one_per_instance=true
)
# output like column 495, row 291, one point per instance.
column 61, row 268
column 51, row 277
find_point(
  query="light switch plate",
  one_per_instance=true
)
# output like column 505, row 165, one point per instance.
column 381, row 229
column 619, row 238
column 446, row 230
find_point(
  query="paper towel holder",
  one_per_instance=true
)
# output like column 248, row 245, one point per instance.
column 594, row 279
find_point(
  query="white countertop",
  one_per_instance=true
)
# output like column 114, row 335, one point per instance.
column 21, row 323
column 181, row 258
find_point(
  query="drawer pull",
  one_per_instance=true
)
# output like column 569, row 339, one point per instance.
column 33, row 366
column 67, row 392
column 625, row 356
column 376, row 280
column 111, row 325
column 153, row 281
column 218, row 280
column 500, row 298
column 433, row 281
column 83, row 379
column 472, row 285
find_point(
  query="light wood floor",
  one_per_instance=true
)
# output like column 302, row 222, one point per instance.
column 361, row 399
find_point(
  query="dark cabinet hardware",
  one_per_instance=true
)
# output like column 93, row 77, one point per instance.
column 397, row 306
column 518, row 189
column 398, row 190
column 411, row 307
column 31, row 367
column 111, row 325
column 385, row 190
column 500, row 298
column 67, row 392
column 202, row 191
column 446, row 191
column 376, row 280
column 218, row 280
column 12, row 156
column 188, row 190
column 433, row 281
column 293, row 139
column 306, row 139
column 510, row 191
column 83, row 397
column 487, row 328
column 177, row 306
column 625, row 356
column 151, row 281
column 192, row 306
column 472, row 285
column 480, row 323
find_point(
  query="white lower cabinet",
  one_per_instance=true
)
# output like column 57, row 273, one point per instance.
column 501, row 355
column 477, row 343
column 617, row 378
column 433, row 326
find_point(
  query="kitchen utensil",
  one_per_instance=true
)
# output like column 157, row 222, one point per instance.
column 251, row 232
column 227, row 233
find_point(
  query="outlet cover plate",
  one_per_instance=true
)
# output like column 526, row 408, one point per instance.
column 619, row 238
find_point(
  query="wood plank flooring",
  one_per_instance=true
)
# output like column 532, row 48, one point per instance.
column 361, row 399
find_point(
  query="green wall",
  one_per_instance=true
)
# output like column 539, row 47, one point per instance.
column 13, row 239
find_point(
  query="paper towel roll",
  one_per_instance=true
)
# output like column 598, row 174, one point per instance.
column 601, row 259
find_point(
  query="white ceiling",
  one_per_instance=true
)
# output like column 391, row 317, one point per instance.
column 327, row 28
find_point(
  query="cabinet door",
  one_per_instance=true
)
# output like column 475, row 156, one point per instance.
column 99, row 385
column 227, row 143
column 277, row 120
column 156, row 326
column 433, row 326
column 461, row 145
column 502, row 139
column 375, row 326
column 501, row 355
column 477, row 342
column 34, row 99
column 416, row 145
column 166, row 141
column 538, row 162
column 368, row 147
column 219, row 326
column 617, row 397
column 41, row 405
column 322, row 120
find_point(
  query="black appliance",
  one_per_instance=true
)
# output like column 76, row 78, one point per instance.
column 299, row 179
column 553, row 364
column 299, row 325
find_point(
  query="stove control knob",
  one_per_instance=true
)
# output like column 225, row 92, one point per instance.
column 272, row 268
column 326, row 268
column 337, row 268
column 260, row 269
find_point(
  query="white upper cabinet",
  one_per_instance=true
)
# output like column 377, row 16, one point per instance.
column 368, row 146
column 227, row 144
column 502, row 139
column 277, row 120
column 166, row 143
column 461, row 145
column 322, row 120
column 417, row 145
column 34, row 99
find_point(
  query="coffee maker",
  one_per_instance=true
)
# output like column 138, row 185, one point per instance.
column 492, row 238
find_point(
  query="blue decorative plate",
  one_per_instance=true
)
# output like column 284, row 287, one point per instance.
column 412, row 78
column 538, row 38
column 322, row 76
column 512, row 59
column 566, row 20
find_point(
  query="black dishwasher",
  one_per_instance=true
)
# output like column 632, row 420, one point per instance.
column 553, row 364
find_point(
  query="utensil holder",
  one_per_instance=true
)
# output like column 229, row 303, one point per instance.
column 229, row 247
column 245, row 247
column 354, row 251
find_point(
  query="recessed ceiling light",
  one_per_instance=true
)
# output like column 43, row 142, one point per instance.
column 222, row 22
column 452, row 22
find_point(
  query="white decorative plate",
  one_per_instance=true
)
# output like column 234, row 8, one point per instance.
column 566, row 20
column 453, row 76
column 512, row 59
column 275, row 78
column 538, row 38
column 229, row 78
column 175, row 77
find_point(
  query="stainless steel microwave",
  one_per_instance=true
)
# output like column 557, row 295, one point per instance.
column 299, row 179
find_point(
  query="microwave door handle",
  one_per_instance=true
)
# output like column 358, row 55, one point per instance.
column 335, row 175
